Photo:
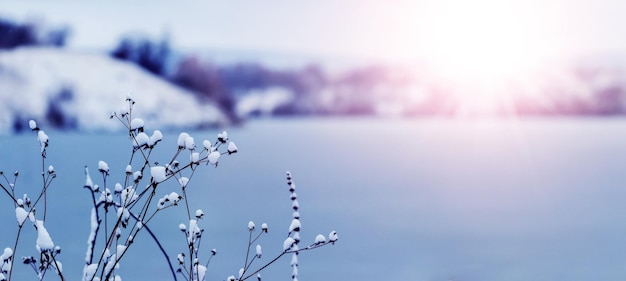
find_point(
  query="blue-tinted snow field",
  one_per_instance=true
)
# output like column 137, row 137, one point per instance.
column 411, row 200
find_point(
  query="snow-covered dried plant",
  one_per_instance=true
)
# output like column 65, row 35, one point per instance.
column 127, row 208
column 196, row 272
column 25, row 212
column 122, row 210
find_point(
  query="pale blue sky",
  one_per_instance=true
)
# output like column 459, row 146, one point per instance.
column 371, row 28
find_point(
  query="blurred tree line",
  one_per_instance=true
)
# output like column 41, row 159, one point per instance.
column 312, row 90
column 32, row 33
column 376, row 89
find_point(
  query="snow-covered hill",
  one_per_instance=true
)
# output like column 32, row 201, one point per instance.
column 85, row 88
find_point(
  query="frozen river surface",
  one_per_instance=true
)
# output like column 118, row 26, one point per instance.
column 411, row 200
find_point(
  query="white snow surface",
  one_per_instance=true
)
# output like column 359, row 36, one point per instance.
column 214, row 157
column 43, row 138
column 129, row 195
column 136, row 123
column 158, row 173
column 199, row 213
column 195, row 157
column 156, row 137
column 183, row 181
column 5, row 262
column 103, row 166
column 88, row 181
column 190, row 143
column 44, row 242
column 123, row 214
column 174, row 197
column 294, row 226
column 207, row 145
column 31, row 77
column 294, row 260
column 263, row 101
column 320, row 239
column 21, row 215
column 141, row 139
column 294, row 272
column 232, row 147
column 182, row 137
column 259, row 251
column 137, row 175
column 92, row 235
column 89, row 271
column 332, row 237
column 194, row 230
column 201, row 272
column 288, row 243
column 114, row 261
column 7, row 253
column 222, row 136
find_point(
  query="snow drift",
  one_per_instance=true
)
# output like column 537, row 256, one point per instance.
column 84, row 88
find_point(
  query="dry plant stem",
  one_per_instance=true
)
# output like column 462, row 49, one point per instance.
column 96, row 206
column 156, row 240
column 250, row 242
column 98, row 221
column 144, row 210
column 208, row 261
column 107, row 244
column 57, row 267
column 43, row 177
column 186, row 202
column 19, row 231
column 193, row 171
column 9, row 194
column 281, row 255
column 191, row 256
column 12, row 185
column 106, row 227
column 109, row 241
column 266, row 265
column 17, row 239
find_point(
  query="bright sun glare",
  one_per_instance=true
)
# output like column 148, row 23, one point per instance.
column 479, row 45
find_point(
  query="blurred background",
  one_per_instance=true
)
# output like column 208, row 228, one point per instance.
column 276, row 58
column 444, row 140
